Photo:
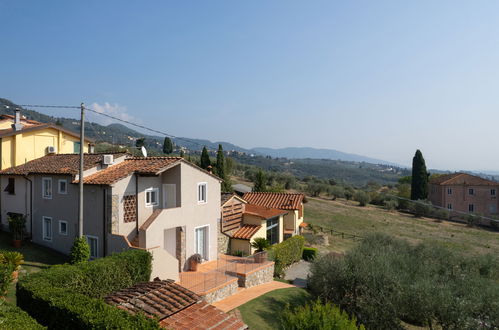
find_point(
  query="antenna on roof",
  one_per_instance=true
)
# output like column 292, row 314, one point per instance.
column 144, row 151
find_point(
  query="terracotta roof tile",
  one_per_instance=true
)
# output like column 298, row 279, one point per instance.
column 283, row 201
column 462, row 179
column 262, row 211
column 202, row 316
column 246, row 231
column 155, row 299
column 140, row 165
column 56, row 164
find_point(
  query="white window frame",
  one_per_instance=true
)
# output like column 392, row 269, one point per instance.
column 59, row 186
column 471, row 191
column 46, row 179
column 60, row 231
column 200, row 201
column 449, row 191
column 45, row 235
column 152, row 190
column 96, row 246
column 208, row 247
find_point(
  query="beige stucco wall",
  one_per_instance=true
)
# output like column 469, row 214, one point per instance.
column 262, row 232
column 18, row 203
column 240, row 245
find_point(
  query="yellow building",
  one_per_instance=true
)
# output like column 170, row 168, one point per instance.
column 22, row 140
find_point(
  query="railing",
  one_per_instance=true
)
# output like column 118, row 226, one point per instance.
column 216, row 273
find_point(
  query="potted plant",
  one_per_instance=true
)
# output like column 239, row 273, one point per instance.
column 194, row 261
column 17, row 223
column 14, row 259
column 260, row 244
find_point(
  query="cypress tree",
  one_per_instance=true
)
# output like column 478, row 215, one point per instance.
column 140, row 142
column 419, row 181
column 205, row 159
column 167, row 146
column 221, row 170
column 259, row 182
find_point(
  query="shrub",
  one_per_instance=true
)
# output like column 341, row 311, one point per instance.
column 73, row 293
column 362, row 197
column 17, row 224
column 80, row 251
column 260, row 244
column 5, row 278
column 13, row 258
column 309, row 253
column 471, row 220
column 390, row 204
column 286, row 253
column 337, row 192
column 441, row 214
column 317, row 316
column 12, row 317
column 421, row 208
column 384, row 281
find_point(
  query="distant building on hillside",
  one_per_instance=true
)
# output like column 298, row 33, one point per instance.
column 465, row 193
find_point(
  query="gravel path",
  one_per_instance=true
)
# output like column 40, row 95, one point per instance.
column 298, row 273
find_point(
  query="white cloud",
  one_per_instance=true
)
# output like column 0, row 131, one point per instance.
column 114, row 110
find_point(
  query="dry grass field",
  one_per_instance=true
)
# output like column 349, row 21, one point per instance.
column 346, row 216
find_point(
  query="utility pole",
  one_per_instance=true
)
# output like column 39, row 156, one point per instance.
column 82, row 144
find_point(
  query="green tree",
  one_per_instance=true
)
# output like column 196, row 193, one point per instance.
column 167, row 146
column 221, row 170
column 140, row 142
column 80, row 251
column 205, row 159
column 419, row 182
column 260, row 184
column 182, row 153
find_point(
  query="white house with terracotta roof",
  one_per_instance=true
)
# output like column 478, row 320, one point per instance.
column 166, row 205
column 243, row 221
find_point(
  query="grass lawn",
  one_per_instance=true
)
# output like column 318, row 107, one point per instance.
column 263, row 312
column 36, row 258
column 346, row 216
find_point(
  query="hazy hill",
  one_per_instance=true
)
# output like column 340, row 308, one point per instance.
column 313, row 153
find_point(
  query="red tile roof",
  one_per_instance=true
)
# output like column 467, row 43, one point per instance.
column 203, row 316
column 246, row 231
column 56, row 164
column 175, row 306
column 262, row 211
column 283, row 201
column 139, row 165
column 155, row 299
column 462, row 179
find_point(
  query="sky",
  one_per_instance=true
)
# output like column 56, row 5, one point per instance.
column 375, row 78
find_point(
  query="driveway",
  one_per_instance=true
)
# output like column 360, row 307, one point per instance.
column 298, row 273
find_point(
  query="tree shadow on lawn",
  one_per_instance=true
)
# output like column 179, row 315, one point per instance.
column 269, row 307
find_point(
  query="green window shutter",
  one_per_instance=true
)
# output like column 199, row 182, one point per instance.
column 76, row 147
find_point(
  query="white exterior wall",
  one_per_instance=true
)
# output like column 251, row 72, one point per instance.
column 20, row 202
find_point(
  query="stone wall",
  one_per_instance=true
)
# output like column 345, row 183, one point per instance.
column 222, row 292
column 180, row 248
column 257, row 277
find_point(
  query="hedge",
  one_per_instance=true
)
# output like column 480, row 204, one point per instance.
column 309, row 253
column 12, row 317
column 70, row 296
column 286, row 253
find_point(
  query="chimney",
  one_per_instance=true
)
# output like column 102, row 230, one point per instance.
column 17, row 126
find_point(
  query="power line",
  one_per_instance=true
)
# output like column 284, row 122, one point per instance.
column 109, row 116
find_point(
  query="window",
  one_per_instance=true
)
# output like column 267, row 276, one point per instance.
column 11, row 187
column 471, row 208
column 93, row 242
column 63, row 187
column 202, row 241
column 449, row 191
column 76, row 147
column 471, row 191
column 47, row 188
column 449, row 206
column 152, row 196
column 273, row 230
column 492, row 192
column 202, row 189
column 493, row 208
column 47, row 228
column 63, row 227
